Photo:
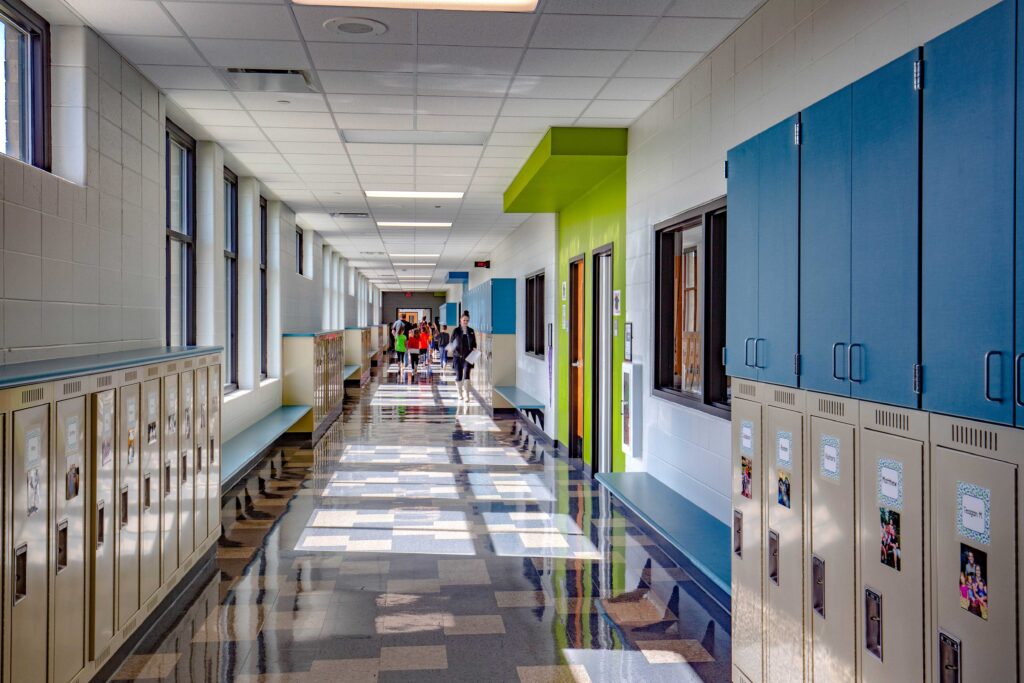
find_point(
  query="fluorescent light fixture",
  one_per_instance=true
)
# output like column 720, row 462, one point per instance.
column 465, row 5
column 415, row 277
column 411, row 224
column 408, row 194
column 416, row 265
column 415, row 137
column 415, row 256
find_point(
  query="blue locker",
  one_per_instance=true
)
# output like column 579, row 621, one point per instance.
column 778, row 269
column 1019, row 357
column 968, row 219
column 741, row 262
column 885, row 235
column 825, row 179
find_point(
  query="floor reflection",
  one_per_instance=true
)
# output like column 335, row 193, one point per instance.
column 424, row 539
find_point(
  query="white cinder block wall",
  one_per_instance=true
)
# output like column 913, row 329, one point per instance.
column 787, row 55
column 530, row 248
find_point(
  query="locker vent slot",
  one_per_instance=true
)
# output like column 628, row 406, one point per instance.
column 188, row 364
column 73, row 387
column 745, row 389
column 172, row 367
column 785, row 397
column 892, row 420
column 984, row 439
column 32, row 395
column 152, row 372
column 104, row 381
column 830, row 407
column 131, row 375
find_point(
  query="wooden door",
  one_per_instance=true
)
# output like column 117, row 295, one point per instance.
column 576, row 357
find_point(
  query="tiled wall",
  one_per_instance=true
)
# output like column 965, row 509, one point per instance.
column 789, row 54
column 300, row 292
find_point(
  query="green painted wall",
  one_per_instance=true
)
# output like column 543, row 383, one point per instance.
column 594, row 220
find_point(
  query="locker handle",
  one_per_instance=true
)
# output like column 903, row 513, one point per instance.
column 746, row 351
column 62, row 546
column 757, row 345
column 124, row 506
column 184, row 468
column 873, row 622
column 167, row 478
column 199, row 460
column 213, row 460
column 849, row 363
column 101, row 527
column 20, row 573
column 835, row 371
column 147, row 498
column 818, row 587
column 773, row 556
column 988, row 375
column 1019, row 364
column 737, row 533
column 949, row 658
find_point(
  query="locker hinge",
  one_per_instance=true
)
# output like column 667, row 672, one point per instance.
column 796, row 363
column 918, row 75
column 723, row 356
column 917, row 378
column 797, row 138
column 725, row 171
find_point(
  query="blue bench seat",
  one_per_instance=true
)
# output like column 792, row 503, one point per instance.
column 702, row 539
column 519, row 398
column 240, row 453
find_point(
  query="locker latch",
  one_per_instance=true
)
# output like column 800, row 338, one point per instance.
column 20, row 573
column 949, row 658
column 62, row 546
column 917, row 378
column 873, row 622
column 773, row 556
column 737, row 533
column 818, row 587
column 918, row 75
column 796, row 363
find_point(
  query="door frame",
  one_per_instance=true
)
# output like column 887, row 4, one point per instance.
column 576, row 295
column 597, row 373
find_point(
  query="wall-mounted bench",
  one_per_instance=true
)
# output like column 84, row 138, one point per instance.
column 520, row 400
column 242, row 452
column 701, row 539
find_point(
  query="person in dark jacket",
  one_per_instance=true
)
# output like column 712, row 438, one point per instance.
column 464, row 339
column 443, row 340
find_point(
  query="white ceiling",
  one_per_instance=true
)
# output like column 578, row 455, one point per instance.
column 506, row 76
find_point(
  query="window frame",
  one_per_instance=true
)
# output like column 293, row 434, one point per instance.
column 300, row 250
column 264, row 250
column 175, row 135
column 714, row 398
column 38, row 53
column 231, row 279
column 534, row 316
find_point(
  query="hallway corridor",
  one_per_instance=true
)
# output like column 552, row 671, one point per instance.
column 422, row 540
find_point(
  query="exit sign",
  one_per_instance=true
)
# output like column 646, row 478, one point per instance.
column 482, row 264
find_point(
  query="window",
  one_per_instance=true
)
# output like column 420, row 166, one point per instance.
column 535, row 315
column 299, row 251
column 689, row 315
column 263, row 288
column 25, row 92
column 231, row 280
column 181, row 229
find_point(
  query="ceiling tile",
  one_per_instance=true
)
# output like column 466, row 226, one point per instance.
column 459, row 106
column 234, row 133
column 371, row 104
column 515, row 139
column 360, row 57
column 542, row 62
column 301, row 134
column 650, row 8
column 449, row 151
column 606, row 122
column 231, row 20
column 250, row 146
column 688, row 35
column 468, row 124
column 125, row 16
column 400, row 25
column 203, row 99
column 593, row 32
column 365, row 148
column 736, row 9
column 543, row 107
column 220, row 117
column 556, row 87
column 157, row 50
column 293, row 119
column 272, row 101
column 616, row 109
column 374, row 121
column 497, row 29
column 269, row 54
column 182, row 77
column 468, row 60
column 367, row 82
column 659, row 64
column 464, row 84
column 530, row 124
column 636, row 88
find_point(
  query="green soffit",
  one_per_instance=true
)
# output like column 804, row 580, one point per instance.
column 567, row 164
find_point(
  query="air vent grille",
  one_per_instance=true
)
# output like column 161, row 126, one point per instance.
column 831, row 407
column 33, row 395
column 892, row 419
column 747, row 389
column 785, row 397
column 131, row 375
column 104, row 381
column 72, row 387
column 349, row 214
column 975, row 437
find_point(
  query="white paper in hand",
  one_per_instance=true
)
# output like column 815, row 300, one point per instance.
column 473, row 357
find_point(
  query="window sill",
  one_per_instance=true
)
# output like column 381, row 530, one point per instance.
column 536, row 356
column 692, row 403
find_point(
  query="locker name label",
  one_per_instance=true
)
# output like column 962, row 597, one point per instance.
column 747, row 437
column 829, row 457
column 784, row 450
column 973, row 504
column 890, row 484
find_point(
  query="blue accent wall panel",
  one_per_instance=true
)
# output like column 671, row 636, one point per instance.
column 779, row 253
column 967, row 218
column 741, row 260
column 886, row 234
column 503, row 306
column 825, row 182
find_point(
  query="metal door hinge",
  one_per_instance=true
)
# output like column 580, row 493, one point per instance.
column 919, row 75
column 725, row 171
column 723, row 356
column 797, row 137
column 917, row 378
column 796, row 363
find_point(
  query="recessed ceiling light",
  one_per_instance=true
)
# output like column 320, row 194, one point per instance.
column 408, row 194
column 466, row 5
column 355, row 26
column 412, row 224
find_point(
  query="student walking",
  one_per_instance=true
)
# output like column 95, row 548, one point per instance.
column 464, row 339
column 402, row 347
column 443, row 340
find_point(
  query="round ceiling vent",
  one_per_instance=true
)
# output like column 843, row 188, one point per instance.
column 355, row 26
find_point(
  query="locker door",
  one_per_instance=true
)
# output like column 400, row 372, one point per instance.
column 29, row 543
column 213, row 515
column 103, row 567
column 202, row 455
column 170, row 479
column 968, row 232
column 825, row 244
column 784, row 557
column 1018, row 368
column 778, row 268
column 70, row 483
column 747, row 554
column 831, row 583
column 186, row 468
column 741, row 261
column 149, row 436
column 128, row 512
column 974, row 512
column 884, row 336
column 890, row 596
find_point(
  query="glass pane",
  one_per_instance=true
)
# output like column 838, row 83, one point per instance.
column 229, row 317
column 177, row 188
column 230, row 221
column 687, row 343
column 178, row 286
column 16, row 92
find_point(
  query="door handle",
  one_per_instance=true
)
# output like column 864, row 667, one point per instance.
column 849, row 363
column 835, row 372
column 1019, row 364
column 757, row 345
column 576, row 364
column 746, row 351
column 988, row 376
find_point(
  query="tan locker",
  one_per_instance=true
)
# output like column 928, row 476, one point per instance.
column 150, row 491
column 747, row 547
column 29, row 550
column 202, row 487
column 186, row 467
column 128, row 512
column 976, row 519
column 213, row 505
column 70, row 489
column 103, row 566
column 784, row 533
column 169, row 477
column 831, row 590
column 892, row 579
